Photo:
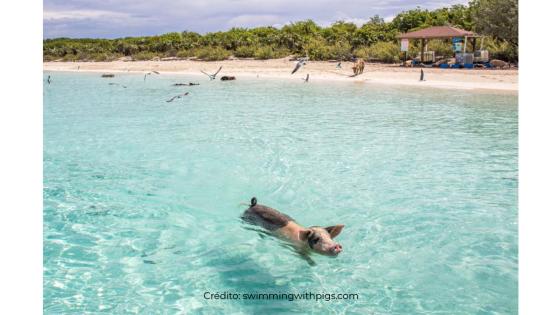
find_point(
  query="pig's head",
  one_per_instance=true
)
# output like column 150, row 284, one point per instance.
column 320, row 239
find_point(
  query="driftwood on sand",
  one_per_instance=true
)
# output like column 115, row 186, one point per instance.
column 186, row 84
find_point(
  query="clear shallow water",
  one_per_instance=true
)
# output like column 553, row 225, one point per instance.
column 141, row 196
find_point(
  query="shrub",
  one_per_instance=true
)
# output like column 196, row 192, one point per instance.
column 267, row 52
column 340, row 51
column 104, row 57
column 382, row 51
column 501, row 50
column 212, row 53
column 245, row 51
column 144, row 55
column 49, row 58
column 441, row 48
column 186, row 53
column 172, row 52
column 318, row 49
column 70, row 57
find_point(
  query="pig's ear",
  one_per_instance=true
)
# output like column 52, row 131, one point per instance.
column 334, row 230
column 304, row 235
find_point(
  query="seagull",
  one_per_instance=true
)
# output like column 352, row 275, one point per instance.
column 212, row 76
column 422, row 75
column 300, row 63
column 339, row 65
column 176, row 96
column 149, row 73
column 49, row 79
column 78, row 68
column 306, row 78
column 124, row 86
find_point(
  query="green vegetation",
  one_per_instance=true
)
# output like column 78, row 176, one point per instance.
column 373, row 41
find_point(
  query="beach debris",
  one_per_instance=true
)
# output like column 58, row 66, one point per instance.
column 496, row 63
column 440, row 62
column 150, row 73
column 227, row 78
column 107, row 75
column 422, row 75
column 176, row 97
column 359, row 66
column 49, row 79
column 212, row 76
column 186, row 84
column 117, row 84
column 301, row 62
column 306, row 78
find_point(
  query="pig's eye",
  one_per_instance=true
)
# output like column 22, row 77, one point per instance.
column 312, row 240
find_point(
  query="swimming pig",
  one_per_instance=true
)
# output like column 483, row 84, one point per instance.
column 315, row 238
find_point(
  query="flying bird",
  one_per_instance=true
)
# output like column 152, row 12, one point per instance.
column 149, row 73
column 422, row 75
column 306, row 78
column 49, row 79
column 176, row 96
column 212, row 76
column 300, row 63
column 339, row 65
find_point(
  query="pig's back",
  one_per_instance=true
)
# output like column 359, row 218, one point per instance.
column 266, row 217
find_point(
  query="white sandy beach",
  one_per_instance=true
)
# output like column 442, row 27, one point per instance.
column 469, row 79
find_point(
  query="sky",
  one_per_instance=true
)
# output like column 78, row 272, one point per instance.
column 120, row 18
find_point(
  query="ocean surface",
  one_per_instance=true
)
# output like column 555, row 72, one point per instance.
column 142, row 196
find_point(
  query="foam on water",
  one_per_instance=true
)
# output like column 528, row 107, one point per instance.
column 141, row 196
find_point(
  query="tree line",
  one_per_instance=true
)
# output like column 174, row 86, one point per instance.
column 373, row 41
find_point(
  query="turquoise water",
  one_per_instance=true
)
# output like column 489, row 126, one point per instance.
column 141, row 196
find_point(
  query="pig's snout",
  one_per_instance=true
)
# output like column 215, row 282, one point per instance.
column 336, row 249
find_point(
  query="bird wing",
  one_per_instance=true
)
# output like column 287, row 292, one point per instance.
column 155, row 72
column 298, row 65
column 217, row 71
column 206, row 74
column 171, row 99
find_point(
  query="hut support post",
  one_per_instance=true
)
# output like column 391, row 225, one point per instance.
column 473, row 44
column 422, row 50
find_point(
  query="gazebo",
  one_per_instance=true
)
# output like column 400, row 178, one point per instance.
column 440, row 32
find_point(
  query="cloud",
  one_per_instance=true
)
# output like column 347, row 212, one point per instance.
column 118, row 18
column 81, row 15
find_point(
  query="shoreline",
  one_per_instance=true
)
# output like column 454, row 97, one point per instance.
column 503, row 81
